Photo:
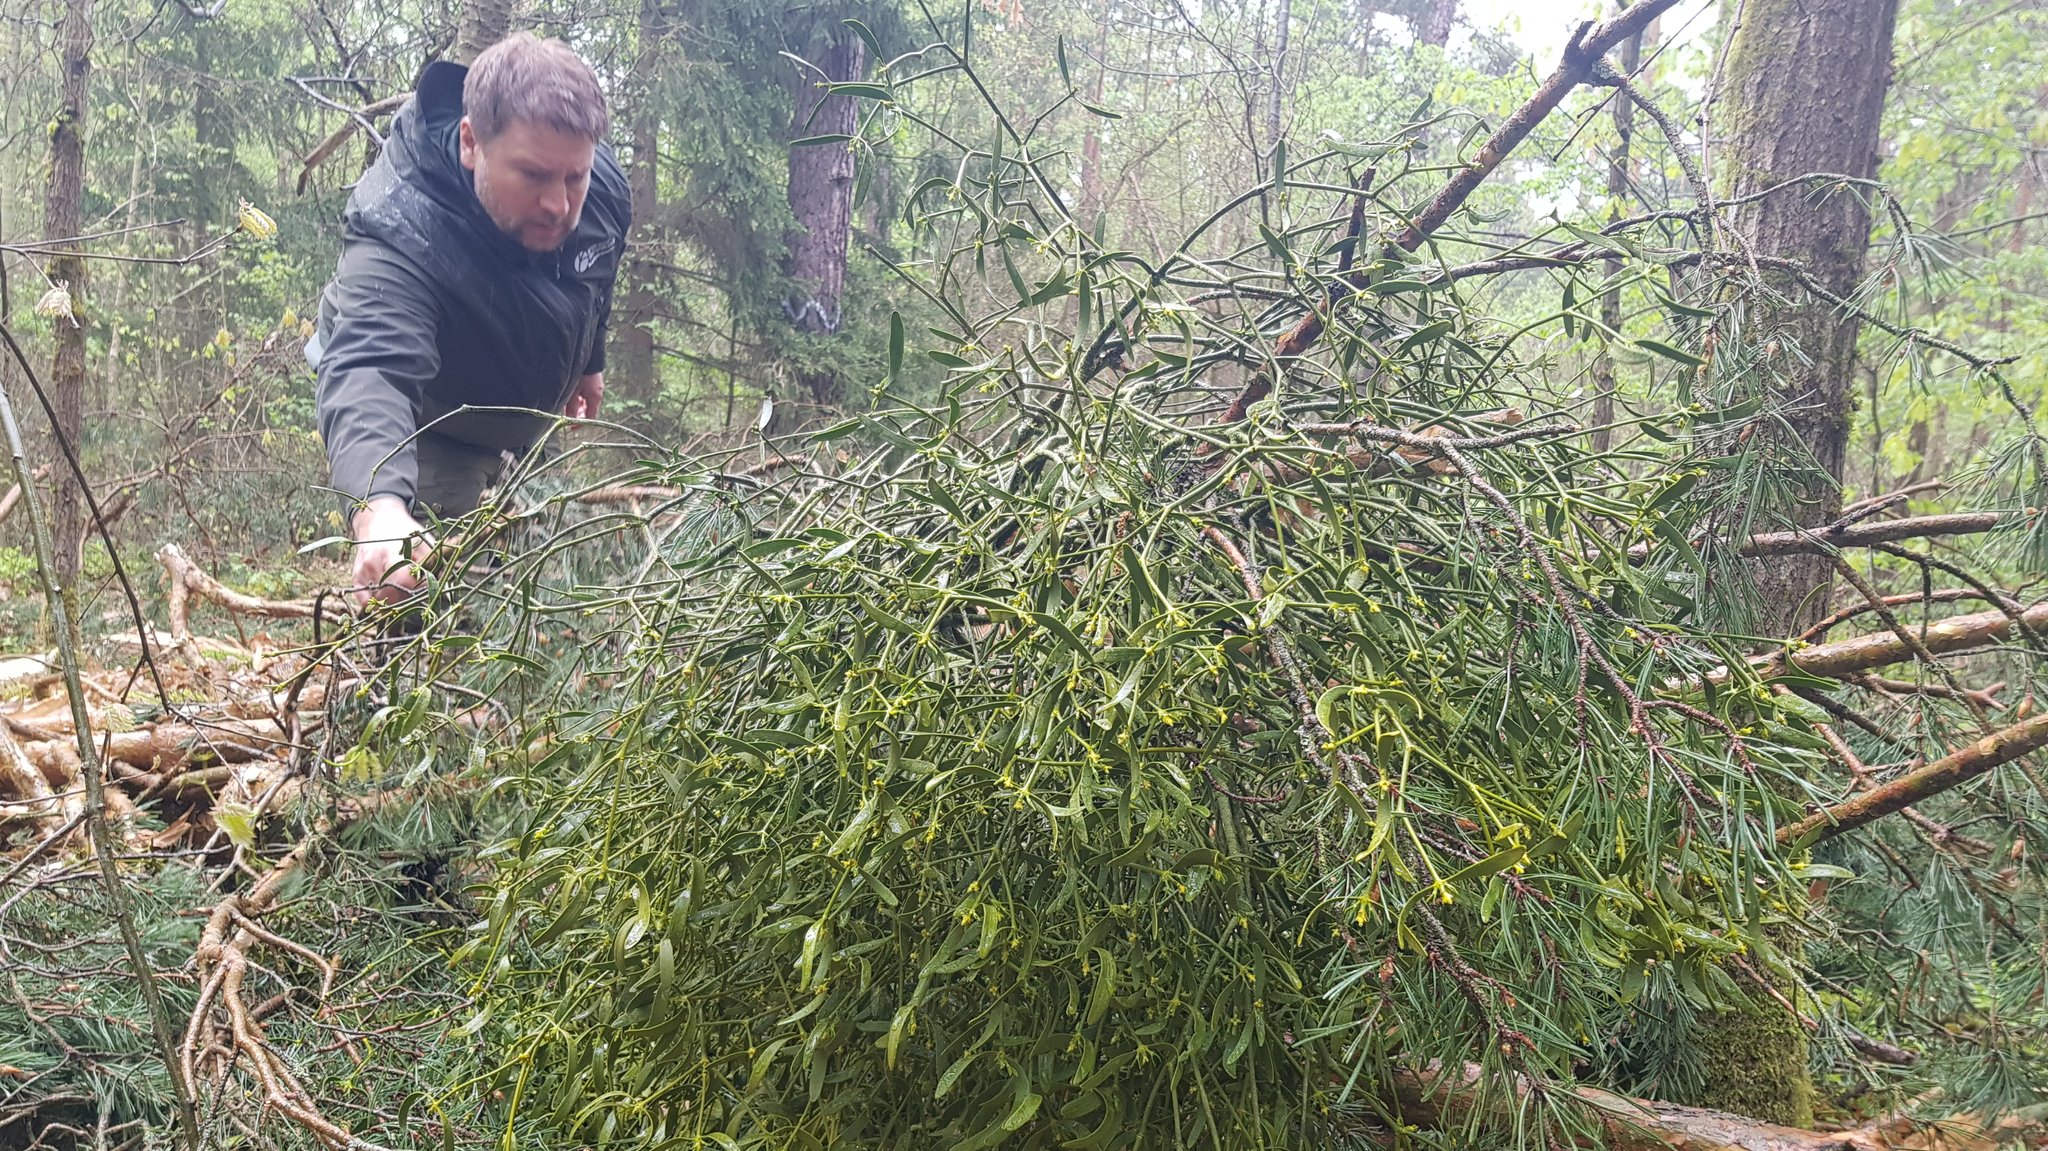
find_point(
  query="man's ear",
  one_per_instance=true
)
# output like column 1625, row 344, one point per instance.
column 466, row 137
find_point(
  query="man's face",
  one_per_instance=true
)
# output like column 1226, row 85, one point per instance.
column 531, row 179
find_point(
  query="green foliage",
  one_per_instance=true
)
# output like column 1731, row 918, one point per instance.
column 72, row 1020
column 16, row 565
column 1064, row 770
column 85, row 1040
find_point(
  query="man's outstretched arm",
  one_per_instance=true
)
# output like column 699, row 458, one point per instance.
column 380, row 351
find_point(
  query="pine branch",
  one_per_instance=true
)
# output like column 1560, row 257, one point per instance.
column 1849, row 534
column 1944, row 595
column 236, row 1039
column 62, row 604
column 1985, row 699
column 1906, row 636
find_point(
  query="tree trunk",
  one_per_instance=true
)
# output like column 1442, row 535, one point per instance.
column 213, row 138
column 484, row 23
column 1620, row 175
column 1275, row 103
column 1089, row 210
column 821, row 200
column 62, row 218
column 1436, row 26
column 1806, row 84
column 634, row 366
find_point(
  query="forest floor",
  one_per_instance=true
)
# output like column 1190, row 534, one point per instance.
column 214, row 742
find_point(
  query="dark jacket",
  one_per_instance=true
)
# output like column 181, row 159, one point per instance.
column 432, row 307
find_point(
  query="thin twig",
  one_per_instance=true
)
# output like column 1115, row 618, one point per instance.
column 89, row 767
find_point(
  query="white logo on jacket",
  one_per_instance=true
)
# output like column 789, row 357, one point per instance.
column 587, row 258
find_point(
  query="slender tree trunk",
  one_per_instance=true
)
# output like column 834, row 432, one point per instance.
column 213, row 193
column 62, row 217
column 1090, row 207
column 118, row 295
column 1620, row 174
column 1436, row 25
column 636, row 370
column 484, row 23
column 1275, row 104
column 821, row 200
column 1806, row 83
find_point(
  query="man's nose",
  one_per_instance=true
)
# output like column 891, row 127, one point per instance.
column 555, row 200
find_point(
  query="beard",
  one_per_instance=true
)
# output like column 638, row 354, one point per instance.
column 534, row 232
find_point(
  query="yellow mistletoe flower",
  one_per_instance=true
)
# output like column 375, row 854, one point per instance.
column 256, row 222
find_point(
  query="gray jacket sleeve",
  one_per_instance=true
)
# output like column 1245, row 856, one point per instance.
column 378, row 321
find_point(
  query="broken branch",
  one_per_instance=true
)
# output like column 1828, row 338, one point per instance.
column 1582, row 56
column 1958, row 633
column 1582, row 60
column 1994, row 750
column 1865, row 534
column 188, row 579
column 1944, row 595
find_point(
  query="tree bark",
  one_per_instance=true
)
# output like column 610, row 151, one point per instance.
column 213, row 137
column 484, row 23
column 1806, row 82
column 1436, row 24
column 1620, row 174
column 821, row 200
column 1090, row 206
column 62, row 217
column 635, row 368
column 1283, row 35
column 1883, row 648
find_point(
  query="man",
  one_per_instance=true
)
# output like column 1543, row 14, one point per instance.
column 476, row 269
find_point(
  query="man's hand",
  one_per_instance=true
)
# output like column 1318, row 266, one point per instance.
column 383, row 531
column 584, row 400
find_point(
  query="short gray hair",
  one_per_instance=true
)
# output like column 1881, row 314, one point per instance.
column 545, row 82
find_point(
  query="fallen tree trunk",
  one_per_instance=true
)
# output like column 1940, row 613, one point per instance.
column 1443, row 1101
